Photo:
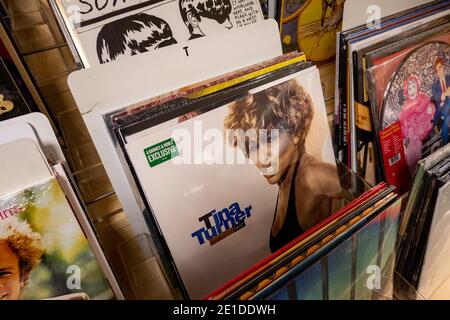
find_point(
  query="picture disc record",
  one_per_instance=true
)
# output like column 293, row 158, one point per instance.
column 419, row 63
column 413, row 99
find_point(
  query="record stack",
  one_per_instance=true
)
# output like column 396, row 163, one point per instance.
column 232, row 196
column 424, row 243
column 229, row 165
column 393, row 93
column 236, row 205
column 331, row 261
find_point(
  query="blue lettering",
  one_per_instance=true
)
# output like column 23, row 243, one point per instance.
column 227, row 218
column 239, row 217
column 247, row 211
column 199, row 235
column 210, row 236
column 235, row 209
column 222, row 221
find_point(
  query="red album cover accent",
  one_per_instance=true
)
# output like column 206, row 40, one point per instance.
column 396, row 169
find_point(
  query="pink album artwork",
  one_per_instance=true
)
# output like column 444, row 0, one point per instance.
column 417, row 97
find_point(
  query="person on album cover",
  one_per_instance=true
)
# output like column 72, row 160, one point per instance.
column 416, row 121
column 20, row 253
column 200, row 16
column 441, row 97
column 132, row 35
column 307, row 186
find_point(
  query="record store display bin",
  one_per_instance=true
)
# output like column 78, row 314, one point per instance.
column 341, row 206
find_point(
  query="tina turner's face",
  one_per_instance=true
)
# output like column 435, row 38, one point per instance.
column 273, row 154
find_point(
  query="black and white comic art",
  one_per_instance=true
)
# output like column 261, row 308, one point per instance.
column 102, row 31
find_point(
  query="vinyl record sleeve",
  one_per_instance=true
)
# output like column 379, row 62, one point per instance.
column 430, row 31
column 405, row 261
column 104, row 31
column 317, row 253
column 407, row 39
column 438, row 176
column 388, row 74
column 435, row 266
column 416, row 218
column 384, row 68
column 304, row 249
column 257, row 269
column 37, row 223
column 419, row 231
column 189, row 198
column 178, row 105
column 283, row 258
column 413, row 98
column 357, row 112
column 338, row 279
column 363, row 32
column 57, row 261
column 424, row 165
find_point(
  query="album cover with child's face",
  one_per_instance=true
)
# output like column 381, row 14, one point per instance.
column 105, row 31
column 43, row 251
column 230, row 185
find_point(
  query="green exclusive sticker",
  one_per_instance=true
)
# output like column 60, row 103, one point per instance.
column 161, row 152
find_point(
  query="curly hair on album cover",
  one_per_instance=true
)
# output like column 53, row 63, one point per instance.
column 25, row 243
column 286, row 106
column 132, row 35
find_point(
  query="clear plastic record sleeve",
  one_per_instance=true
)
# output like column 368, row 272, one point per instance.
column 434, row 274
column 306, row 252
column 365, row 57
column 437, row 177
column 43, row 247
column 280, row 261
column 361, row 232
column 419, row 223
column 403, row 89
column 345, row 143
column 68, row 186
column 369, row 163
column 217, row 217
column 360, row 124
column 58, row 256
